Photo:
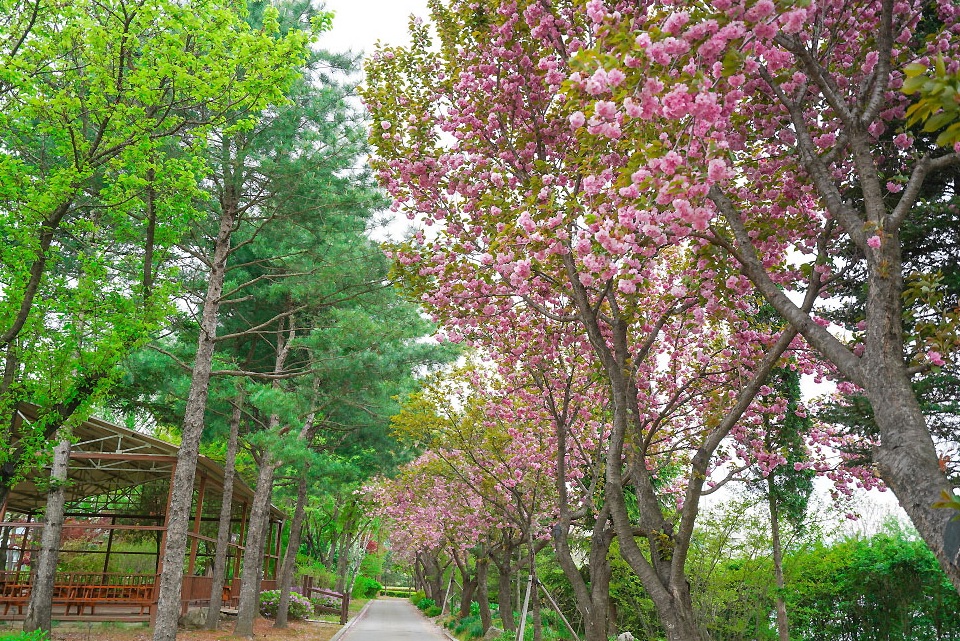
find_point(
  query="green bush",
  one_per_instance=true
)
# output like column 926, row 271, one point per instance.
column 19, row 635
column 416, row 597
column 366, row 588
column 300, row 606
column 471, row 626
column 475, row 629
column 432, row 611
column 322, row 577
column 425, row 603
column 325, row 601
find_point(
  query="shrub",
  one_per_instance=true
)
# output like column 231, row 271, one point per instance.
column 475, row 629
column 366, row 588
column 322, row 577
column 300, row 606
column 18, row 635
column 416, row 597
column 425, row 603
column 432, row 611
column 324, row 601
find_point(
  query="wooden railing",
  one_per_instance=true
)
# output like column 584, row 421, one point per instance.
column 343, row 609
column 82, row 590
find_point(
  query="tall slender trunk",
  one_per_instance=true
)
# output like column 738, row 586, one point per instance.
column 40, row 607
column 290, row 556
column 252, row 573
column 343, row 561
column 253, row 555
column 181, row 491
column 592, row 600
column 306, row 435
column 783, row 628
column 226, row 518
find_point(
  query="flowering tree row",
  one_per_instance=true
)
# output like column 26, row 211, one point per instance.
column 634, row 184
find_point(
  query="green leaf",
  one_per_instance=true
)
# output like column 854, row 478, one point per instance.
column 914, row 69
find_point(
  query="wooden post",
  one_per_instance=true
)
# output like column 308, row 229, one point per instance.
column 162, row 548
column 344, row 609
column 276, row 560
column 196, row 526
column 556, row 608
column 526, row 604
column 23, row 546
column 241, row 542
column 106, row 557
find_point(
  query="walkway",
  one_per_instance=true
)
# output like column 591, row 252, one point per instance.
column 393, row 620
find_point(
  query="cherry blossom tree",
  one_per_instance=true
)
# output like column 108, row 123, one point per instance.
column 513, row 146
column 780, row 142
column 524, row 244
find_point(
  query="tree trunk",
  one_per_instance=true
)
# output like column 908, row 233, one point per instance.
column 432, row 576
column 466, row 596
column 535, row 610
column 783, row 628
column 255, row 548
column 343, row 562
column 483, row 593
column 226, row 516
column 290, row 556
column 909, row 465
column 40, row 607
column 505, row 593
column 181, row 492
column 253, row 555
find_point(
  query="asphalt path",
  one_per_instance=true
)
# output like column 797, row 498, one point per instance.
column 393, row 620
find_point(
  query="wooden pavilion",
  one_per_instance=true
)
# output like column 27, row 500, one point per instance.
column 113, row 540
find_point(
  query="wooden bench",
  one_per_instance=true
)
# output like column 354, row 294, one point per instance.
column 139, row 595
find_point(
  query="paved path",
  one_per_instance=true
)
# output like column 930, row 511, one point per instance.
column 393, row 620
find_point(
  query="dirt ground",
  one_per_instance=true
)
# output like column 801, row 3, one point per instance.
column 263, row 631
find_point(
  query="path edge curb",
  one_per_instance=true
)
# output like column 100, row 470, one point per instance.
column 342, row 631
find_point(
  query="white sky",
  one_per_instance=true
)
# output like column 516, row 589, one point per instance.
column 358, row 24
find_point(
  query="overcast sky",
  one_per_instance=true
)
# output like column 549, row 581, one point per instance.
column 358, row 24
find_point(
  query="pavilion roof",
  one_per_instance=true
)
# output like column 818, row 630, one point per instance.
column 106, row 458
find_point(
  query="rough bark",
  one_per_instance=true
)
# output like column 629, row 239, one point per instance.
column 592, row 600
column 290, row 556
column 468, row 582
column 226, row 516
column 40, row 607
column 181, row 492
column 505, row 592
column 254, row 554
column 483, row 592
column 259, row 523
column 306, row 435
column 466, row 596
